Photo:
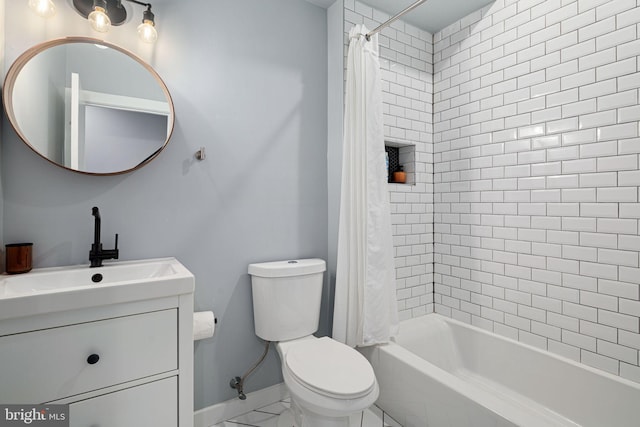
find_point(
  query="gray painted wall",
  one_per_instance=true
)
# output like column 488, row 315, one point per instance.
column 249, row 83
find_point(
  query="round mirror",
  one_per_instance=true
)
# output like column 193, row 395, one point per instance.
column 88, row 106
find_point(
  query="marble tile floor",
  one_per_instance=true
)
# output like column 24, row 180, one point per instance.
column 267, row 416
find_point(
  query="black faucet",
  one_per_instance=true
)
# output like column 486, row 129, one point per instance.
column 97, row 254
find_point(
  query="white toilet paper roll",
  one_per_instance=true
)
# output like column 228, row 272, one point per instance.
column 204, row 325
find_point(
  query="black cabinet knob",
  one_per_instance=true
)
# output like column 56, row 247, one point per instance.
column 93, row 359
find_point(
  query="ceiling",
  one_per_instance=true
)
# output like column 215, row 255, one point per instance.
column 322, row 3
column 432, row 16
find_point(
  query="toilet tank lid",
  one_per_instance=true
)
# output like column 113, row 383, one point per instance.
column 298, row 267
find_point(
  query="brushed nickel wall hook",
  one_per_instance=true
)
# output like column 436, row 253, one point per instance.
column 200, row 154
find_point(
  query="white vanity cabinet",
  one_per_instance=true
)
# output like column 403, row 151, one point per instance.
column 151, row 404
column 124, row 364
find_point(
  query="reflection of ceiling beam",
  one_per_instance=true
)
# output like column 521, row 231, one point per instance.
column 127, row 103
column 434, row 15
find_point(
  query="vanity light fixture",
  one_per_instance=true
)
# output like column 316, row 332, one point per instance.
column 44, row 8
column 98, row 18
column 147, row 30
column 102, row 14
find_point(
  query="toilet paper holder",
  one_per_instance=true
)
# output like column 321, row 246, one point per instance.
column 204, row 323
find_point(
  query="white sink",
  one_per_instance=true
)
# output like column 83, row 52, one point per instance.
column 59, row 279
column 62, row 288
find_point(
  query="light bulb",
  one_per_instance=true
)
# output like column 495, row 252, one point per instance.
column 99, row 20
column 147, row 32
column 44, row 8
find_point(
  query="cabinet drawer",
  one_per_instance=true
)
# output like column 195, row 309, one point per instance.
column 153, row 404
column 50, row 364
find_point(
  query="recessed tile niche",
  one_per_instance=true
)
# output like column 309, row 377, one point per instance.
column 401, row 153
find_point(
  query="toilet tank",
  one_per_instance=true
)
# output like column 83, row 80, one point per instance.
column 286, row 298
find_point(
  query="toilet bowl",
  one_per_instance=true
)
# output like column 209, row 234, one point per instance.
column 328, row 381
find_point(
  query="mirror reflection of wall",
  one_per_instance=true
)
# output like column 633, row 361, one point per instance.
column 119, row 140
column 42, row 80
column 113, row 126
column 106, row 70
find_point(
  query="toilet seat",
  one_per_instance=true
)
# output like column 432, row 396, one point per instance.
column 330, row 368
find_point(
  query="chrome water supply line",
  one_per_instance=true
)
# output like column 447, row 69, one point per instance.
column 238, row 382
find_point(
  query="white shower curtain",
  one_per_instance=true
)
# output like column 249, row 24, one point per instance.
column 365, row 307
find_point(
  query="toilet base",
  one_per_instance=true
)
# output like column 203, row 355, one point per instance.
column 305, row 418
column 288, row 419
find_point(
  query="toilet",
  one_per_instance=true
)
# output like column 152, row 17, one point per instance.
column 328, row 381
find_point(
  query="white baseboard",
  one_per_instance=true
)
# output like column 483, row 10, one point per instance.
column 214, row 414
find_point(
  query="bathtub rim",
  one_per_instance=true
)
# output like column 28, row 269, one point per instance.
column 494, row 335
column 514, row 415
column 442, row 377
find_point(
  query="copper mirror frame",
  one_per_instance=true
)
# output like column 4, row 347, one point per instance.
column 137, row 110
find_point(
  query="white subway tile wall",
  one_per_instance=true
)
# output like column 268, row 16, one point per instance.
column 525, row 213
column 536, row 138
column 406, row 55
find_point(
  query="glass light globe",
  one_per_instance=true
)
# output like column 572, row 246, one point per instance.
column 99, row 20
column 147, row 32
column 44, row 8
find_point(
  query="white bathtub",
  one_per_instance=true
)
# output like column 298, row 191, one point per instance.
column 441, row 373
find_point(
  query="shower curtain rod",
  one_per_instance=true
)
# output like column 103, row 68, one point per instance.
column 393, row 19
